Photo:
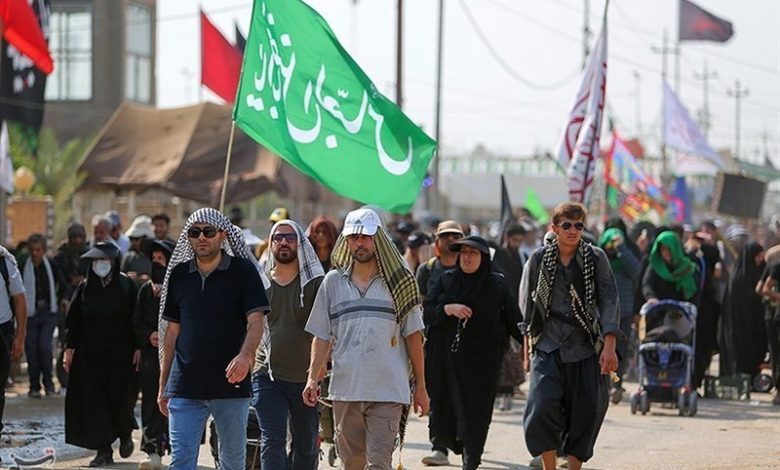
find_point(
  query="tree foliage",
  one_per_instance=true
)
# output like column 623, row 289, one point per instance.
column 55, row 167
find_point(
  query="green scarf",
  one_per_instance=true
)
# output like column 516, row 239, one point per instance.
column 606, row 239
column 683, row 269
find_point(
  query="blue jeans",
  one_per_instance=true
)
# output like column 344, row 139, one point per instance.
column 187, row 420
column 38, row 349
column 277, row 402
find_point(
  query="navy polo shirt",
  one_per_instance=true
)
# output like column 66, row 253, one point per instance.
column 211, row 311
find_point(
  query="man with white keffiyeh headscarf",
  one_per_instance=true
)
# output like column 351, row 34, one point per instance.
column 212, row 307
column 282, row 360
column 368, row 309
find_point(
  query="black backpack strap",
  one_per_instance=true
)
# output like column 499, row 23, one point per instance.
column 6, row 275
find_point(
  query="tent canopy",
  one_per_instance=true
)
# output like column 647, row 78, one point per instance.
column 183, row 151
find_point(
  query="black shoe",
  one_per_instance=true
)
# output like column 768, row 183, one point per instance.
column 126, row 447
column 102, row 460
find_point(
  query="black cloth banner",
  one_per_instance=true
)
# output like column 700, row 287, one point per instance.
column 697, row 24
column 22, row 86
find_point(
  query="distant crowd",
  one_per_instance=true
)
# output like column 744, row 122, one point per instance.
column 323, row 323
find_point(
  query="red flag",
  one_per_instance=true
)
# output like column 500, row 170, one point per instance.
column 20, row 28
column 697, row 23
column 220, row 61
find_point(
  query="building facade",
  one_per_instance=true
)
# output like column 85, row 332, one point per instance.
column 104, row 51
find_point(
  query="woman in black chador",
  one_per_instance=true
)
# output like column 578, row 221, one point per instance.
column 101, row 357
column 471, row 313
column 743, row 335
column 154, row 426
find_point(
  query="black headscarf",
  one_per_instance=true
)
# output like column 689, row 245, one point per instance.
column 469, row 289
column 617, row 222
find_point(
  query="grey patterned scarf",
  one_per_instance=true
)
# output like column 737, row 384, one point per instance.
column 309, row 266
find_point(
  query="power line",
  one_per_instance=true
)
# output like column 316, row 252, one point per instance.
column 158, row 20
column 508, row 68
column 696, row 48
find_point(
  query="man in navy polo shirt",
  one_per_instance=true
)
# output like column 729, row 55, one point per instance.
column 214, row 306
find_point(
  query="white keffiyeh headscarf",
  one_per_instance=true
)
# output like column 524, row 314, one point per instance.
column 234, row 245
column 309, row 266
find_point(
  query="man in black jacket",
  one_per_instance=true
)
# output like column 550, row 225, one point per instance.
column 569, row 301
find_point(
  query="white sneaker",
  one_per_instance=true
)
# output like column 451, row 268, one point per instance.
column 436, row 459
column 153, row 462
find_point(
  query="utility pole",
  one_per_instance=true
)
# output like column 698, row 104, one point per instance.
column 638, row 103
column 705, row 120
column 434, row 197
column 399, row 95
column 678, row 54
column 738, row 93
column 664, row 50
column 765, row 142
column 586, row 34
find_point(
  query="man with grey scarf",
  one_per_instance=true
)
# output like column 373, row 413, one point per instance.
column 282, row 360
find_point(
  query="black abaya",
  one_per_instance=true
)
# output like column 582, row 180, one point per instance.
column 462, row 383
column 743, row 333
column 154, row 425
column 99, row 401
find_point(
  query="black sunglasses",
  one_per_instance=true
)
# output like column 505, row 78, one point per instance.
column 567, row 225
column 208, row 232
column 288, row 237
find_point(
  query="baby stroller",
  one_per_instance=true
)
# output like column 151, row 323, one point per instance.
column 665, row 365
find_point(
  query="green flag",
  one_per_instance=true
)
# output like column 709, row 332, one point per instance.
column 303, row 97
column 612, row 196
column 535, row 207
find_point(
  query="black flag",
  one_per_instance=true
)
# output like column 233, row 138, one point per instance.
column 22, row 85
column 697, row 24
column 507, row 215
column 240, row 39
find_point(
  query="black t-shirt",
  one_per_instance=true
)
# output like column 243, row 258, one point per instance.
column 428, row 274
column 212, row 314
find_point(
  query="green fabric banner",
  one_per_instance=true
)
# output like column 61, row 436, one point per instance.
column 303, row 97
column 535, row 206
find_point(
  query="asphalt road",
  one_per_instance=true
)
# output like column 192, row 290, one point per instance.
column 724, row 435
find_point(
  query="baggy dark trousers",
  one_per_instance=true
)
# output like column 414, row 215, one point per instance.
column 566, row 405
column 6, row 341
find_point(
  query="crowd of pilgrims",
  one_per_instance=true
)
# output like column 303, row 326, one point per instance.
column 730, row 273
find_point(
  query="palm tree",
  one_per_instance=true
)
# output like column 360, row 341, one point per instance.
column 55, row 167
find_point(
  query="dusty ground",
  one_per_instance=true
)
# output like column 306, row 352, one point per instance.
column 724, row 435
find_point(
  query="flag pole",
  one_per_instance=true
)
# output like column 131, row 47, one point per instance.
column 227, row 166
column 434, row 193
column 3, row 197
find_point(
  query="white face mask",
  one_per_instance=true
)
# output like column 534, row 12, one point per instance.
column 101, row 267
